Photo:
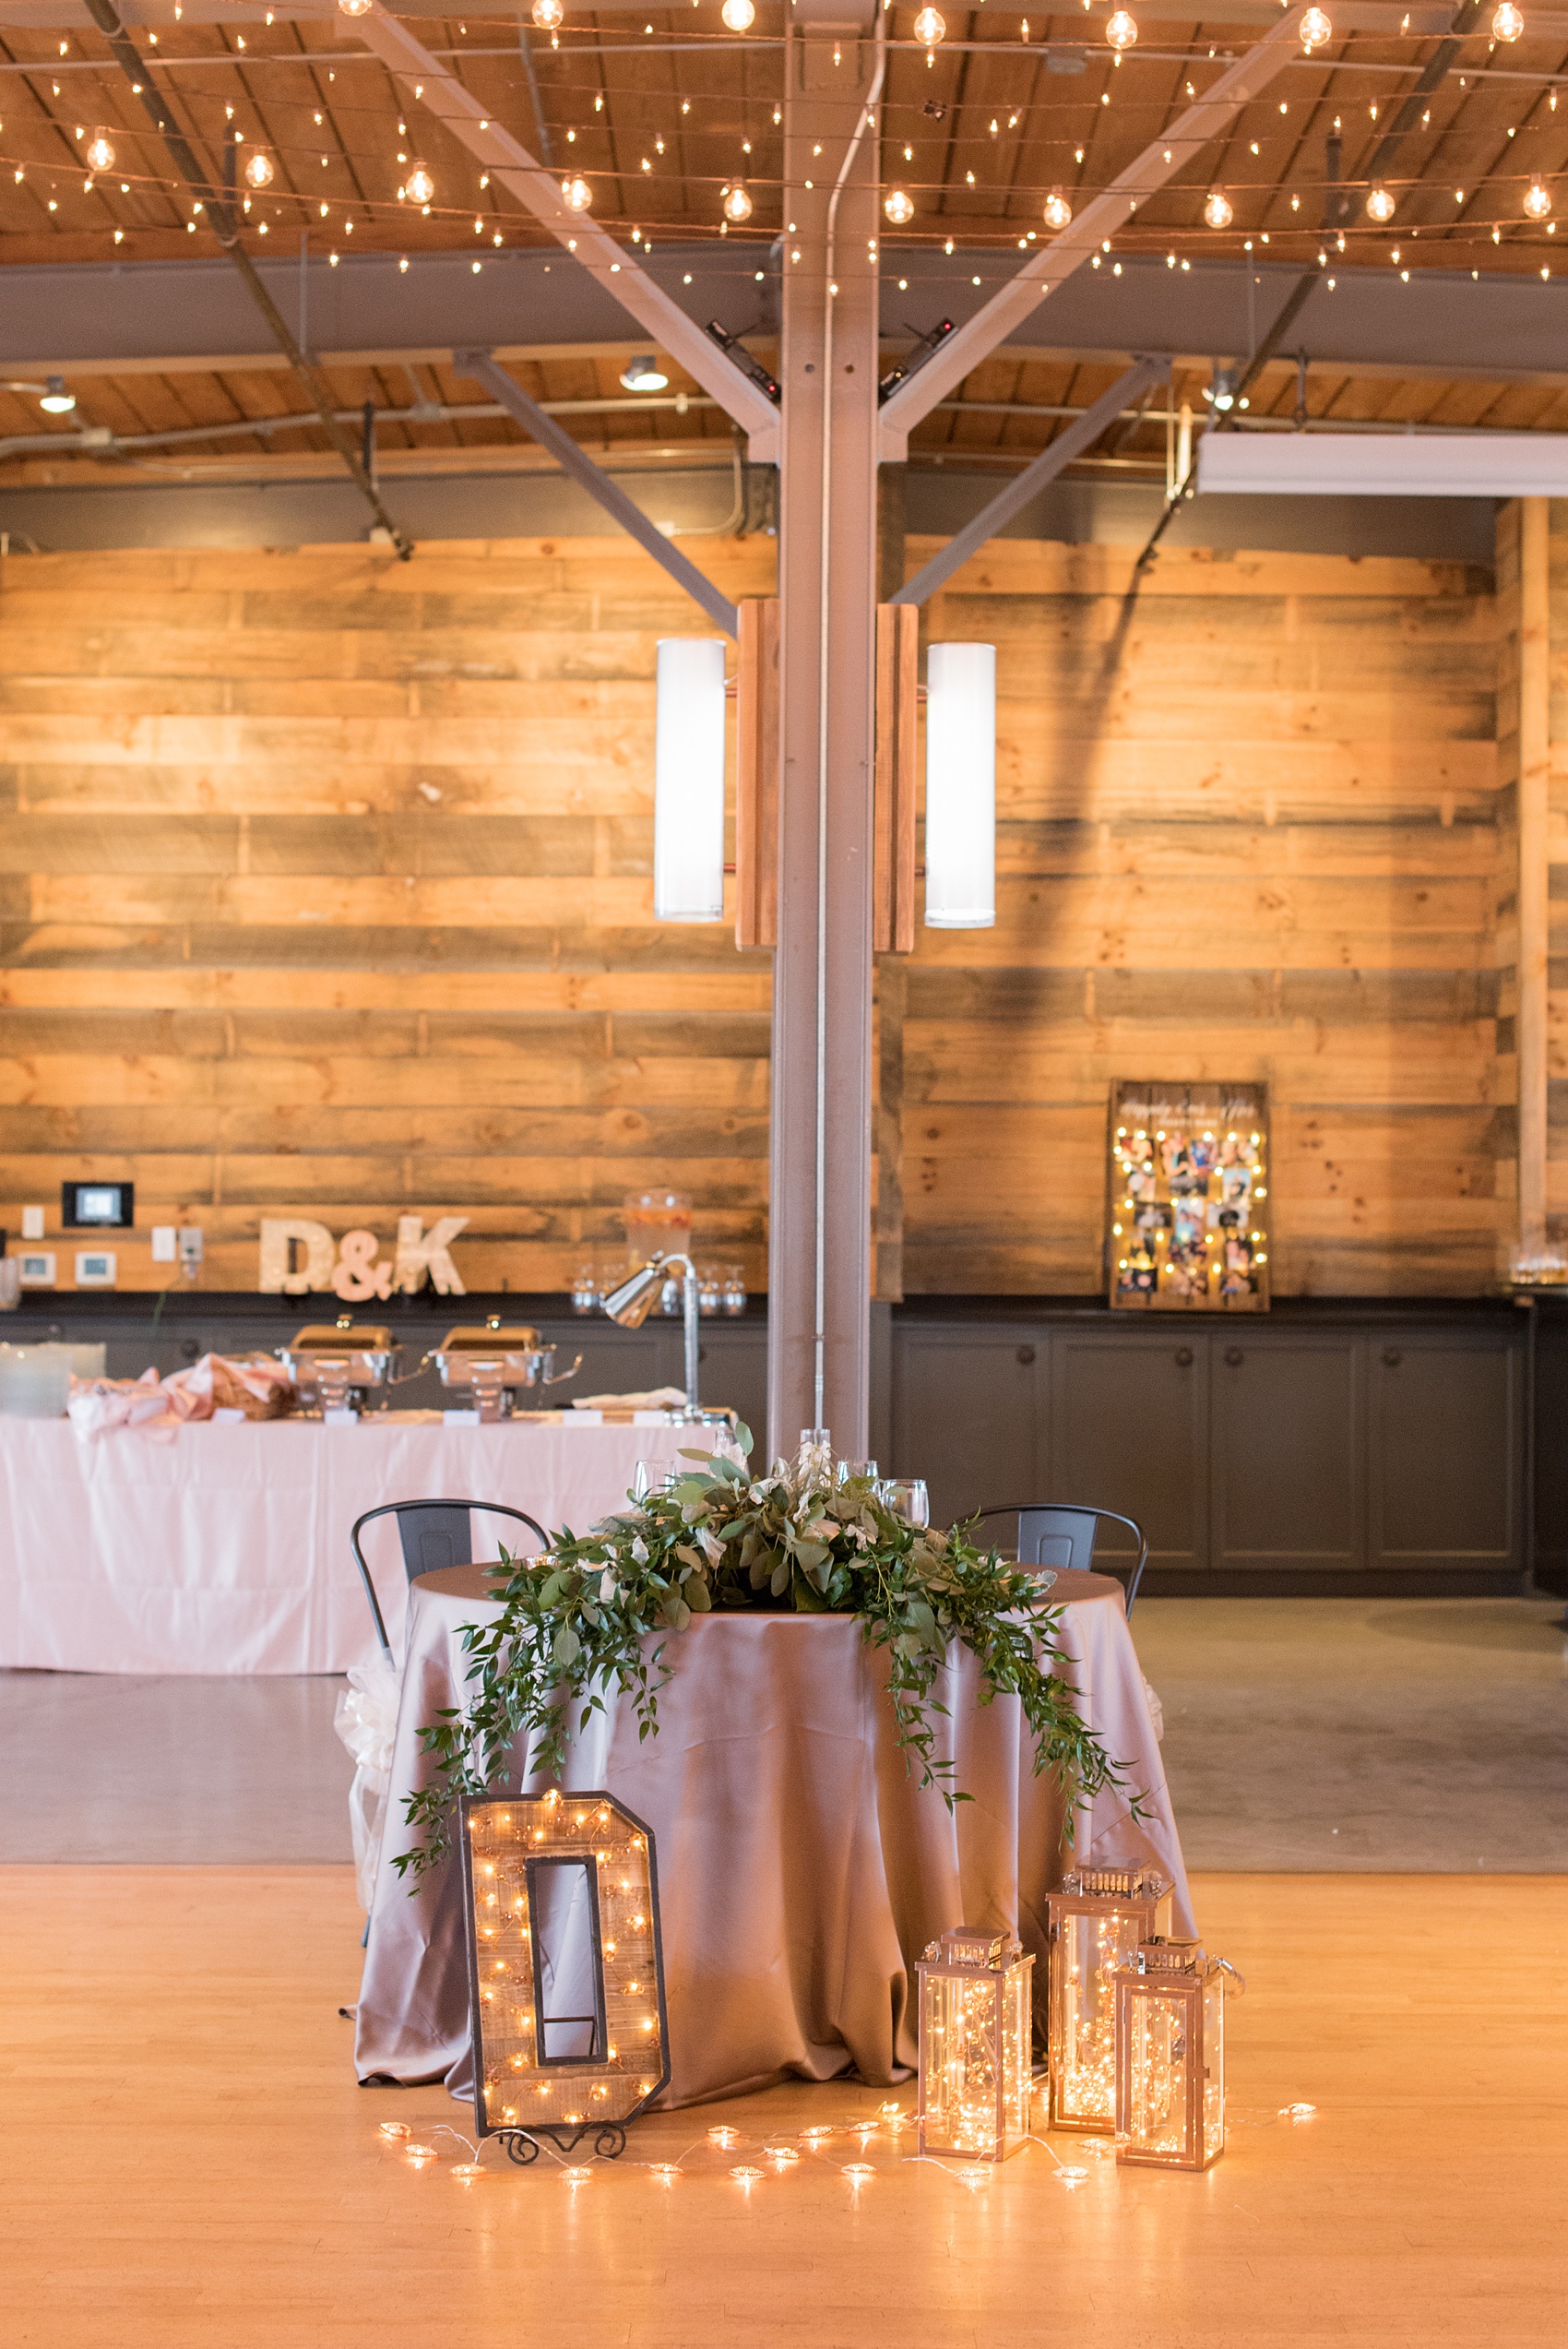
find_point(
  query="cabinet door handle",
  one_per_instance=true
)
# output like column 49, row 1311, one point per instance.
column 1185, row 1357
column 1026, row 1356
column 1233, row 1355
column 1392, row 1358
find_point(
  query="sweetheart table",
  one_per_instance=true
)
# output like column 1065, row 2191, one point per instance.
column 801, row 1870
column 226, row 1549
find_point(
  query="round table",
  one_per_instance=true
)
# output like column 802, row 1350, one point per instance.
column 801, row 1869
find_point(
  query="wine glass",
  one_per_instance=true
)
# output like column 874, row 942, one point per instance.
column 910, row 1497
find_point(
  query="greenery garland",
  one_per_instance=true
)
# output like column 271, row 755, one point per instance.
column 574, row 1622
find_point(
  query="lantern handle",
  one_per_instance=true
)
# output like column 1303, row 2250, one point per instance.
column 1223, row 1965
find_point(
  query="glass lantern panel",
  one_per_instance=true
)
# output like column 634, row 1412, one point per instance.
column 1087, row 1952
column 959, row 2055
column 1017, row 2038
column 1213, row 2066
column 1159, row 2059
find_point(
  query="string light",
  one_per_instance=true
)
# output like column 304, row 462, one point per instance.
column 1315, row 29
column 548, row 15
column 419, row 183
column 575, row 194
column 737, row 202
column 1058, row 212
column 1507, row 23
column 1380, row 206
column 738, row 16
column 1217, row 209
column 1537, row 201
column 99, row 153
column 899, row 207
column 258, row 169
column 1122, row 30
column 930, row 27
column 355, row 7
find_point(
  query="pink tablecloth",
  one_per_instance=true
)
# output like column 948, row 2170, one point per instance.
column 227, row 1550
column 800, row 1872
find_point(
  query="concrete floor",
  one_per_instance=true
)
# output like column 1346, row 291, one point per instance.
column 1301, row 1733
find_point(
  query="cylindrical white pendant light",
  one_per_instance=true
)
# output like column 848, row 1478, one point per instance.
column 960, row 787
column 688, row 781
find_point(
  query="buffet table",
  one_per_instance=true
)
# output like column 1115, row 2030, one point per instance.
column 226, row 1550
column 801, row 1870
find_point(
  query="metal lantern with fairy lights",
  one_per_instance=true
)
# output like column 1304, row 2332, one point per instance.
column 1170, row 2057
column 975, row 1990
column 1094, row 1927
column 566, row 1970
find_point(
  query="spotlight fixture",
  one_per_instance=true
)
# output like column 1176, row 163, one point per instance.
column 737, row 205
column 259, row 172
column 1380, row 206
column 575, row 194
column 56, row 400
column 899, row 207
column 419, row 185
column 1538, row 200
column 1216, row 209
column 1122, row 30
column 1507, row 23
column 548, row 15
column 1315, row 29
column 1221, row 392
column 101, row 151
column 738, row 16
column 643, row 374
column 1058, row 212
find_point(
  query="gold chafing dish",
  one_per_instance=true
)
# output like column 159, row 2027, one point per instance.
column 486, row 1369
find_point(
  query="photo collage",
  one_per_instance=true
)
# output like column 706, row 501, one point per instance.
column 1189, row 1198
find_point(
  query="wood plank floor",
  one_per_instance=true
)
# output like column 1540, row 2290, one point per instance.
column 189, row 2159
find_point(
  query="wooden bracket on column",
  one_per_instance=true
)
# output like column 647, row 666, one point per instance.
column 898, row 680
column 757, row 774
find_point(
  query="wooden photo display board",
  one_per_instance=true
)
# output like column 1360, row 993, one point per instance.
column 1188, row 1187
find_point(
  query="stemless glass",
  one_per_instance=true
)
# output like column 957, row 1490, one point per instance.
column 910, row 1497
column 652, row 1476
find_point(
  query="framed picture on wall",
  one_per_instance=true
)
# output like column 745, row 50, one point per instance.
column 1187, row 1190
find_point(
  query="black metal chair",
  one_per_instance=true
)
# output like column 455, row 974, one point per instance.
column 433, row 1535
column 1062, row 1534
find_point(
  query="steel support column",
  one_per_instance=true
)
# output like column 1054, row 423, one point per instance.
column 819, row 1242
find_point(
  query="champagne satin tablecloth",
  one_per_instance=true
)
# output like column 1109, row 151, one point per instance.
column 800, row 1871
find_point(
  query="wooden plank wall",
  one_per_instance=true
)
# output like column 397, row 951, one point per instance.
column 1247, row 827
column 324, row 887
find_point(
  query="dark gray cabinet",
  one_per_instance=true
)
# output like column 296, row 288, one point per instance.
column 1286, row 1460
column 968, row 1414
column 1444, row 1417
column 1128, row 1432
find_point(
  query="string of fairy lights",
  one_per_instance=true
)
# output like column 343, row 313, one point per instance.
column 1338, row 217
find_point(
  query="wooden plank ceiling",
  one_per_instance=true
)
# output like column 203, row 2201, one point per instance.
column 662, row 112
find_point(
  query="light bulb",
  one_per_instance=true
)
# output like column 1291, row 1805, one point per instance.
column 419, row 185
column 355, row 7
column 1123, row 30
column 577, row 195
column 258, row 169
column 1537, row 201
column 1507, row 23
column 737, row 203
column 1379, row 205
column 99, row 153
column 548, row 15
column 1217, row 209
column 738, row 16
column 1058, row 212
column 1315, row 29
column 930, row 27
column 899, row 207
